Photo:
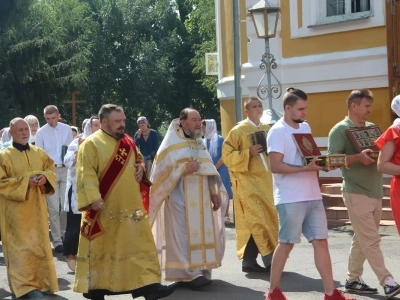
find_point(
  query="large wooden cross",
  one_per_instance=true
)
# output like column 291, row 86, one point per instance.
column 73, row 101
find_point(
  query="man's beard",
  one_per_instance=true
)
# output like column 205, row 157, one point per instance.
column 298, row 121
column 195, row 134
column 119, row 135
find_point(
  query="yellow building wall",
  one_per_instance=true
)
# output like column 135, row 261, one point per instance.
column 228, row 115
column 326, row 109
column 334, row 42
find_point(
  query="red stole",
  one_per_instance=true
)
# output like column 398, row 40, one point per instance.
column 91, row 226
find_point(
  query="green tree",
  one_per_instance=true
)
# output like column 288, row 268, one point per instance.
column 45, row 50
column 202, row 37
column 134, row 59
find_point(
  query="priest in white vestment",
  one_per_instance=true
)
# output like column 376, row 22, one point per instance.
column 187, row 204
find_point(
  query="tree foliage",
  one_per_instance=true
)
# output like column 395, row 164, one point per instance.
column 45, row 52
column 146, row 55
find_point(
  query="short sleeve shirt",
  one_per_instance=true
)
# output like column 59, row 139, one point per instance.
column 291, row 188
column 357, row 178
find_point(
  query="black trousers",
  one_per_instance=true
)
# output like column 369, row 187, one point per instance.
column 143, row 291
column 71, row 238
column 250, row 253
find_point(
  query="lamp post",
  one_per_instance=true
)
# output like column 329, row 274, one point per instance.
column 265, row 18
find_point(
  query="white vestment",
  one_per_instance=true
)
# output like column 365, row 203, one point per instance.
column 189, row 235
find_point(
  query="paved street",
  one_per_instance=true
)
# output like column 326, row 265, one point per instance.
column 300, row 281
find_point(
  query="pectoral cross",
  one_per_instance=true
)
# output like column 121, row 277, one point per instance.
column 73, row 101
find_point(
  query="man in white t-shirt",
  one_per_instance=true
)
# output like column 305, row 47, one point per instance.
column 297, row 197
column 54, row 138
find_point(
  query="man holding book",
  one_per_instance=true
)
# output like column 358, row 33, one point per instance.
column 297, row 196
column 362, row 193
column 256, row 219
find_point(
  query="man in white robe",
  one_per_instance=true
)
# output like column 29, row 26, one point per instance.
column 187, row 203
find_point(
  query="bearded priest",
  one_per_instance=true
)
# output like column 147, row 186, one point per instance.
column 187, row 204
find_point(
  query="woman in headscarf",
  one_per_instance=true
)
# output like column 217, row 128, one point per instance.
column 34, row 126
column 389, row 160
column 71, row 238
column 214, row 142
column 6, row 139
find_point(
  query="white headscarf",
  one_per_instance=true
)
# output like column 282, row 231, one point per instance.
column 88, row 128
column 396, row 108
column 212, row 135
column 6, row 136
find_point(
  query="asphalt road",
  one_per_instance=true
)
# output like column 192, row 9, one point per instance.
column 300, row 280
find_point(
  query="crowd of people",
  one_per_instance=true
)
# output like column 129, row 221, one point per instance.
column 102, row 191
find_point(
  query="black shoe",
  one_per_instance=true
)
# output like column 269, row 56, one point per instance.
column 161, row 291
column 59, row 249
column 256, row 268
column 391, row 290
column 35, row 294
column 359, row 287
column 199, row 283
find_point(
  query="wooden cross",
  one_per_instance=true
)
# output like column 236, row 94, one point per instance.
column 73, row 101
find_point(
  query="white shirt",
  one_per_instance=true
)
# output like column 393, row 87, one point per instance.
column 252, row 123
column 52, row 139
column 290, row 188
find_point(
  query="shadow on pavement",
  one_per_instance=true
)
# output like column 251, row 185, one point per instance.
column 64, row 285
column 5, row 294
column 258, row 275
column 220, row 290
column 295, row 282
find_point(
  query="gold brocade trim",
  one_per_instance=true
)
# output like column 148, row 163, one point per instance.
column 157, row 211
column 180, row 279
column 211, row 265
column 186, row 266
column 174, row 147
column 201, row 216
column 214, row 231
column 177, row 265
column 194, row 247
column 189, row 236
column 173, row 166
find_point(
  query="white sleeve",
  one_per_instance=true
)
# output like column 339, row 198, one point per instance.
column 275, row 140
column 39, row 142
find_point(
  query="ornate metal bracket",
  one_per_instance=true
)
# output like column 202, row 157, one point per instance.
column 267, row 90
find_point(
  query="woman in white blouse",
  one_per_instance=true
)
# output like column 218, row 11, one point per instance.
column 71, row 238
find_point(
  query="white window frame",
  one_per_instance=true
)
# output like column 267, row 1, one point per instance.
column 323, row 19
column 313, row 24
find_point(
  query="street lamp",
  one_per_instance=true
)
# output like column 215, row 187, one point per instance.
column 265, row 18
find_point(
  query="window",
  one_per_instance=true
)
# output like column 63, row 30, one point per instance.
column 320, row 17
column 335, row 11
column 343, row 7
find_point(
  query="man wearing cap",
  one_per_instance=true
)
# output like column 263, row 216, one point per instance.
column 147, row 141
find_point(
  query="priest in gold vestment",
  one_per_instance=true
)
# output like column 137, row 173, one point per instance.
column 186, row 200
column 116, row 253
column 26, row 176
column 256, row 218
